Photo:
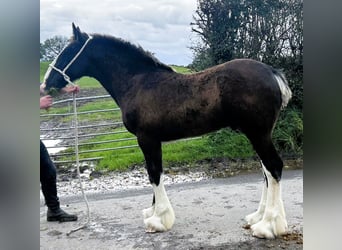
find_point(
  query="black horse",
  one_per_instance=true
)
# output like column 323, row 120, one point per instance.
column 158, row 104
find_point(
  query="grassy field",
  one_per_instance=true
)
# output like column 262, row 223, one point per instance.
column 210, row 146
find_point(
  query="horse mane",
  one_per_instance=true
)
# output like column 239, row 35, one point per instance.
column 132, row 51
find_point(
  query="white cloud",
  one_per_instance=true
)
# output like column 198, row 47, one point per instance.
column 160, row 26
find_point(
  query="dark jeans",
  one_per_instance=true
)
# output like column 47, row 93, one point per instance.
column 48, row 180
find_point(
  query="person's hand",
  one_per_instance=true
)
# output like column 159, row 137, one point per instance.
column 45, row 102
column 71, row 89
column 42, row 89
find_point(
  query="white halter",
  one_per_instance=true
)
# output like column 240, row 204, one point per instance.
column 62, row 72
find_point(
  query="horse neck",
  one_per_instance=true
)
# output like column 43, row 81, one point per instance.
column 105, row 70
column 113, row 83
column 115, row 72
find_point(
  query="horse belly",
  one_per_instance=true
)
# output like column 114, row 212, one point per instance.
column 193, row 123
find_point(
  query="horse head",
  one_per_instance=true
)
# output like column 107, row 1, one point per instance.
column 70, row 64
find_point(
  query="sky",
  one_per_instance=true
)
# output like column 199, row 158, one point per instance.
column 160, row 26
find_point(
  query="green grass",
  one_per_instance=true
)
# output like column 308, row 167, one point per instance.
column 184, row 152
column 178, row 152
column 229, row 143
column 235, row 145
column 181, row 69
column 90, row 117
column 289, row 132
column 43, row 68
column 88, row 83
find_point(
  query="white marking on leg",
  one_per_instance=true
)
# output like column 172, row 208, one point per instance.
column 273, row 222
column 257, row 215
column 163, row 216
column 148, row 212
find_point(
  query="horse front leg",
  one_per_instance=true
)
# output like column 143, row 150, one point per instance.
column 160, row 216
column 148, row 212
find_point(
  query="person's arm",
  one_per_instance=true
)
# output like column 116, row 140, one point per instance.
column 42, row 89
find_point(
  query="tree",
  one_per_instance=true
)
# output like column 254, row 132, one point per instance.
column 52, row 47
column 269, row 31
column 42, row 51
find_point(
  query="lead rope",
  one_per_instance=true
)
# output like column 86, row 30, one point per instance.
column 67, row 78
column 78, row 168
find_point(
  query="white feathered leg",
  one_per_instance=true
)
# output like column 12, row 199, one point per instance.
column 257, row 215
column 273, row 222
column 163, row 216
column 148, row 212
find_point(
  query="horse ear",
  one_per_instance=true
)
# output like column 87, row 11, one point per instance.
column 76, row 32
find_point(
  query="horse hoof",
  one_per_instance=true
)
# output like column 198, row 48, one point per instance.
column 153, row 225
column 159, row 222
column 150, row 230
column 262, row 230
column 269, row 229
column 253, row 218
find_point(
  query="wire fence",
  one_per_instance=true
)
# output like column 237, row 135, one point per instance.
column 57, row 131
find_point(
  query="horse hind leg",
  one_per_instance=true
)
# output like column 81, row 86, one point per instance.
column 160, row 216
column 273, row 222
column 255, row 217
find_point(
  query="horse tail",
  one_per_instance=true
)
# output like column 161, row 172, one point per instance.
column 284, row 88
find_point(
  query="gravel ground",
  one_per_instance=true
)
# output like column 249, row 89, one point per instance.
column 137, row 178
column 117, row 181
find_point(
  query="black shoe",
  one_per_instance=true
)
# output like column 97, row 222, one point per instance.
column 60, row 215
